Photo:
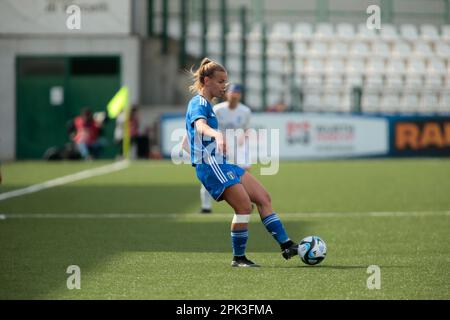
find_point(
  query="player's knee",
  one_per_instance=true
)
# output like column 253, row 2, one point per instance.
column 248, row 208
column 244, row 208
column 265, row 199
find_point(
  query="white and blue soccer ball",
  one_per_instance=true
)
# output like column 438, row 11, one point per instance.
column 312, row 250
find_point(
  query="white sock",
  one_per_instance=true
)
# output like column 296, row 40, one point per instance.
column 205, row 198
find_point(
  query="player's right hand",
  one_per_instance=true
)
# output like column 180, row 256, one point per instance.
column 221, row 144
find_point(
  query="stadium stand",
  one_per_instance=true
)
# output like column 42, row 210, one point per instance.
column 400, row 68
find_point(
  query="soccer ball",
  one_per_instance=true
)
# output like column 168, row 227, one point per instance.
column 312, row 250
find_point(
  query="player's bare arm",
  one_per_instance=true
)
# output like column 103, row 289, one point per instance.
column 202, row 128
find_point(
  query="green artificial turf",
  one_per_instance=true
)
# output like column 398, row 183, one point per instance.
column 142, row 238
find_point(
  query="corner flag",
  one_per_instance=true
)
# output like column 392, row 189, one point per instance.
column 118, row 103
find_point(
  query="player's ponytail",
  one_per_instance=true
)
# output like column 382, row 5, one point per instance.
column 206, row 69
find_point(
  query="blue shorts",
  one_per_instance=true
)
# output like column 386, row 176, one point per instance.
column 217, row 177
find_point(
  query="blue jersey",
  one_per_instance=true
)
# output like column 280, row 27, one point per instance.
column 202, row 147
column 212, row 170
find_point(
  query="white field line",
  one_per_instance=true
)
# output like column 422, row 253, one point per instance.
column 66, row 179
column 215, row 215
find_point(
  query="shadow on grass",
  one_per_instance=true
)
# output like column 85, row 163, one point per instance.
column 35, row 253
column 337, row 267
column 106, row 199
column 346, row 267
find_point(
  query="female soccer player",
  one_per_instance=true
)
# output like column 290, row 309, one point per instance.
column 222, row 180
column 231, row 114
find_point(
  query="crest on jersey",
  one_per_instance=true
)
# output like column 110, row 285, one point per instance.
column 230, row 175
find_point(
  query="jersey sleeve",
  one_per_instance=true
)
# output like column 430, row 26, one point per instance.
column 197, row 112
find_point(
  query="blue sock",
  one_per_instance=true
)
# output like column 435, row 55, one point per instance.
column 239, row 242
column 275, row 227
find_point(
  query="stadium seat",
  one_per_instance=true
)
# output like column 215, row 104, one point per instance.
column 300, row 49
column 373, row 81
column 275, row 82
column 334, row 80
column 174, row 29
column 233, row 46
column 345, row 31
column 277, row 49
column 235, row 29
column 413, row 81
column 346, row 102
column 445, row 33
column 354, row 80
column 409, row 102
column 233, row 63
column 381, row 49
column 193, row 47
column 314, row 66
column 254, row 49
column 275, row 97
column 256, row 33
column 429, row 102
column 276, row 65
column 416, row 67
column 214, row 31
column 375, row 66
column 254, row 81
column 234, row 37
column 429, row 32
column 312, row 102
column 331, row 101
column 447, row 81
column 394, row 81
column 299, row 66
column 359, row 49
column 194, row 29
column 433, row 81
column 356, row 66
column 303, row 32
column 444, row 102
column 213, row 37
column 443, row 50
column 335, row 66
column 324, row 32
column 254, row 64
column 370, row 102
column 275, row 85
column 281, row 31
column 318, row 49
column 214, row 47
column 254, row 100
column 422, row 49
column 235, row 76
column 396, row 66
column 401, row 49
column 409, row 32
column 339, row 49
column 366, row 34
column 299, row 81
column 390, row 102
column 389, row 32
column 436, row 66
column 314, row 80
